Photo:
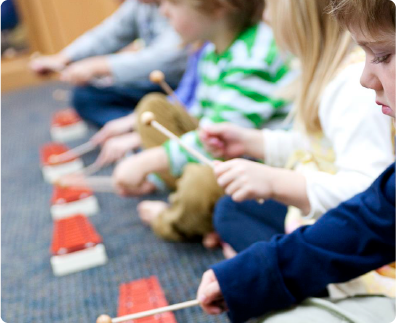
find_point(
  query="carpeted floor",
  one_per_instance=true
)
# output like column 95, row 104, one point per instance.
column 30, row 293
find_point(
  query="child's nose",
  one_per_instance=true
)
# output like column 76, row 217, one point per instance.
column 369, row 79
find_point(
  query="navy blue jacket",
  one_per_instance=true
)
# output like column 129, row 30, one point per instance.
column 356, row 237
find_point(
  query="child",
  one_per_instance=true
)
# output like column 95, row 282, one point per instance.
column 94, row 57
column 354, row 238
column 118, row 137
column 240, row 72
column 325, row 156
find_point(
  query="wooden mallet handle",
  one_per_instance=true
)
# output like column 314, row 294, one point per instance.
column 95, row 183
column 158, row 77
column 148, row 119
column 78, row 151
column 171, row 308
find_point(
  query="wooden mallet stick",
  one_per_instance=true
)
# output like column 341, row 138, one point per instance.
column 78, row 151
column 148, row 118
column 92, row 169
column 158, row 77
column 171, row 308
column 95, row 183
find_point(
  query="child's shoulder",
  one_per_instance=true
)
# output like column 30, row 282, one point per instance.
column 254, row 44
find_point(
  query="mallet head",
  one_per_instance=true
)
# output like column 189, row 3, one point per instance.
column 157, row 77
column 147, row 118
column 104, row 319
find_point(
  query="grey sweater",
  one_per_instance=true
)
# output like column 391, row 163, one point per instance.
column 131, row 21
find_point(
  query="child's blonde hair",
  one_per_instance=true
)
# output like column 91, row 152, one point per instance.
column 303, row 28
column 243, row 13
column 374, row 17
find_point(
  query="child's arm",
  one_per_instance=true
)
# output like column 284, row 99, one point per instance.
column 82, row 72
column 244, row 180
column 348, row 241
column 130, row 174
column 114, row 128
column 115, row 148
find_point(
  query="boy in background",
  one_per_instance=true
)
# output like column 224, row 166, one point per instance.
column 110, row 83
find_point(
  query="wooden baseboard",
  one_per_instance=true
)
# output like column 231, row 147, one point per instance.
column 15, row 74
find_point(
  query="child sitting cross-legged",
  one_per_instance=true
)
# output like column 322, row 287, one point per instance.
column 239, row 73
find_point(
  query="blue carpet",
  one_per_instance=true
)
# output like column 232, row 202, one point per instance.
column 30, row 292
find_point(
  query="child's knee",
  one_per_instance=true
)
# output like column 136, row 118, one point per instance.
column 151, row 102
column 222, row 215
column 198, row 185
column 80, row 97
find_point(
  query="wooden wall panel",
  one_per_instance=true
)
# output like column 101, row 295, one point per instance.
column 53, row 24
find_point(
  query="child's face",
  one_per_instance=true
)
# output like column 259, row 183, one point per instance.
column 190, row 23
column 379, row 71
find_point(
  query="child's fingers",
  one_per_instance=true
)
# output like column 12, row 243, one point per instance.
column 216, row 143
column 242, row 194
column 228, row 177
column 234, row 186
column 213, row 301
column 100, row 137
column 224, row 167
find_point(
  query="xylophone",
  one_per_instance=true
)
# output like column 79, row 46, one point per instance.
column 67, row 126
column 68, row 201
column 76, row 246
column 143, row 295
column 52, row 168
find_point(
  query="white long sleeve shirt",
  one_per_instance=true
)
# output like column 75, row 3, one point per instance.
column 359, row 134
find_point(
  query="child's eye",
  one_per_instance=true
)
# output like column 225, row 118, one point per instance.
column 379, row 60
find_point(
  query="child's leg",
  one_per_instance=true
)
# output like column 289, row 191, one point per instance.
column 172, row 117
column 242, row 224
column 189, row 215
column 101, row 105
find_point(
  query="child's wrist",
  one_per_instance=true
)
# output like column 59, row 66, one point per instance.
column 252, row 143
column 152, row 160
column 275, row 183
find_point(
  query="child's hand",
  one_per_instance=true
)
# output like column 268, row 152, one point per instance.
column 115, row 148
column 48, row 64
column 223, row 140
column 209, row 294
column 245, row 180
column 82, row 72
column 114, row 128
column 129, row 176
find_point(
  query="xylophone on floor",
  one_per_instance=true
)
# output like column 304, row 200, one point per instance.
column 76, row 246
column 52, row 168
column 68, row 201
column 67, row 126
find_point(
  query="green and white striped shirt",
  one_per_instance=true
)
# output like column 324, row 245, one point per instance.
column 236, row 86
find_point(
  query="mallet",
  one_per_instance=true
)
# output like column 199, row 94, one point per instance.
column 171, row 308
column 95, row 183
column 78, row 151
column 148, row 118
column 158, row 77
